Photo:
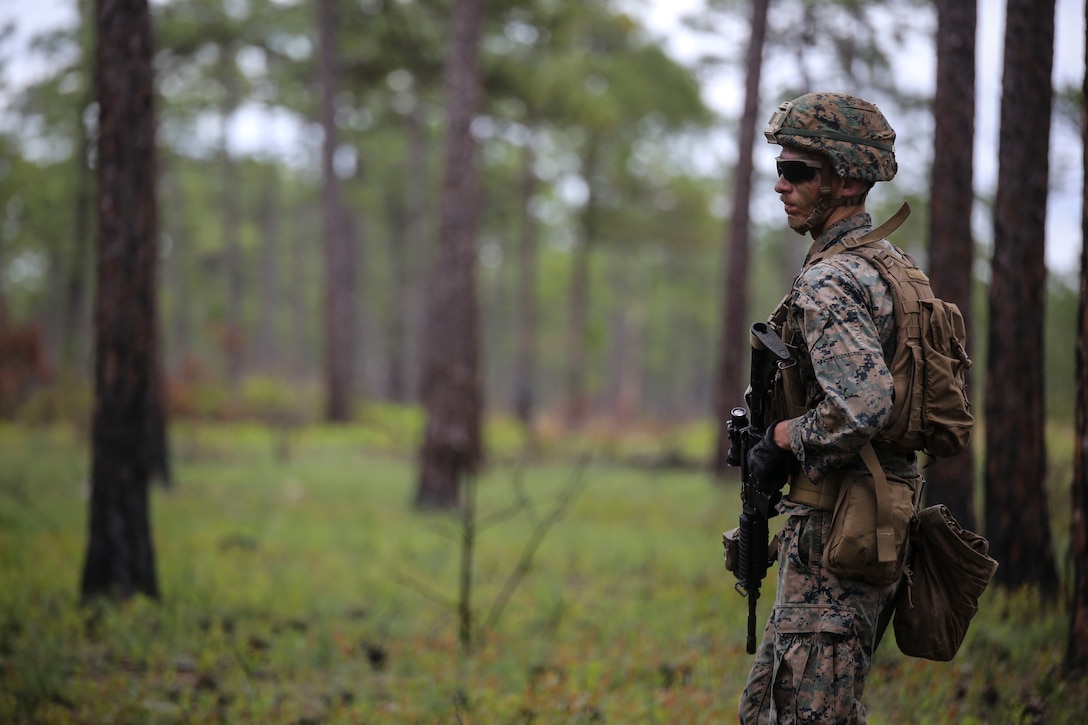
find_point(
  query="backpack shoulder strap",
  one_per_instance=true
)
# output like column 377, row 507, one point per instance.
column 894, row 222
column 874, row 235
column 908, row 283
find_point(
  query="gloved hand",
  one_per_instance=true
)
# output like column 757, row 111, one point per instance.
column 770, row 465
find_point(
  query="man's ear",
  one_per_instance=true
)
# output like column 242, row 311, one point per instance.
column 852, row 187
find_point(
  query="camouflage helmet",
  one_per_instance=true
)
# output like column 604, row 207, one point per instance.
column 852, row 132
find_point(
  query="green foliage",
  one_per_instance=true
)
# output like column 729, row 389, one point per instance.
column 308, row 590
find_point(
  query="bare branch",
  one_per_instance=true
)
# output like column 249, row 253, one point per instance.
column 528, row 552
column 424, row 589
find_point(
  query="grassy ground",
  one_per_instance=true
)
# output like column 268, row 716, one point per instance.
column 304, row 589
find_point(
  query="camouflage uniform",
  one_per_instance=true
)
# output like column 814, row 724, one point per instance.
column 818, row 644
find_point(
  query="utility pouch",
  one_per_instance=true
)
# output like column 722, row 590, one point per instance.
column 950, row 569
column 871, row 524
column 789, row 391
column 731, row 549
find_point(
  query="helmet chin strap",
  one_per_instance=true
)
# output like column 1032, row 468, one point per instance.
column 824, row 202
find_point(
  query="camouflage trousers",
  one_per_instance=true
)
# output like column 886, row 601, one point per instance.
column 818, row 644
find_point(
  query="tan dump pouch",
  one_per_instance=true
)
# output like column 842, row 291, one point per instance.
column 950, row 569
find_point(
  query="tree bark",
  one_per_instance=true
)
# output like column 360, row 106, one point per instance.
column 75, row 314
column 176, row 284
column 452, row 389
column 301, row 306
column 419, row 257
column 233, row 330
column 1076, row 654
column 525, row 352
column 268, row 341
column 733, row 346
column 1017, row 518
column 626, row 334
column 120, row 560
column 578, row 300
column 340, row 259
column 951, row 246
column 396, row 324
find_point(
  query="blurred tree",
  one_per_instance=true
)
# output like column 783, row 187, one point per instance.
column 234, row 341
column 551, row 76
column 1017, row 517
column 653, row 214
column 614, row 86
column 341, row 296
column 390, row 112
column 1075, row 665
column 732, row 357
column 217, row 61
column 56, row 112
column 120, row 560
column 526, row 351
column 452, row 390
column 74, row 307
column 200, row 44
column 529, row 83
column 951, row 246
column 270, row 288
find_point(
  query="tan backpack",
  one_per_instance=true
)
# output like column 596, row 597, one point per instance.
column 931, row 411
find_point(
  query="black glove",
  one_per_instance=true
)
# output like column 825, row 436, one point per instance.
column 769, row 465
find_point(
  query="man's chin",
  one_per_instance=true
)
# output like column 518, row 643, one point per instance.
column 796, row 223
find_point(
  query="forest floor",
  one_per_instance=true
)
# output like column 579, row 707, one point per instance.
column 299, row 586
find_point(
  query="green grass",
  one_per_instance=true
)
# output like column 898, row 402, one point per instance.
column 305, row 589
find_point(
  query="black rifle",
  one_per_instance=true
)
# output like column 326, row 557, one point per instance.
column 758, row 502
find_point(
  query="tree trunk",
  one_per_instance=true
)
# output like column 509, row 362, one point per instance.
column 525, row 352
column 1017, row 519
column 177, row 275
column 419, row 258
column 268, row 348
column 733, row 346
column 340, row 258
column 233, row 330
column 120, row 560
column 951, row 247
column 1076, row 654
column 396, row 325
column 452, row 392
column 75, row 315
column 626, row 338
column 578, row 300
column 301, row 307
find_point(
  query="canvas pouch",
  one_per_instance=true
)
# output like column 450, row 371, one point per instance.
column 871, row 525
column 949, row 570
column 731, row 549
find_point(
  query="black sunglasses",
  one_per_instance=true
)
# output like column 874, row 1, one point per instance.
column 797, row 171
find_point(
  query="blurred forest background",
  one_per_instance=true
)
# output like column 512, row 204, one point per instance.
column 487, row 238
column 606, row 194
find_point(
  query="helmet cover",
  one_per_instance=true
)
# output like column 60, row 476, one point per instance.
column 852, row 132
